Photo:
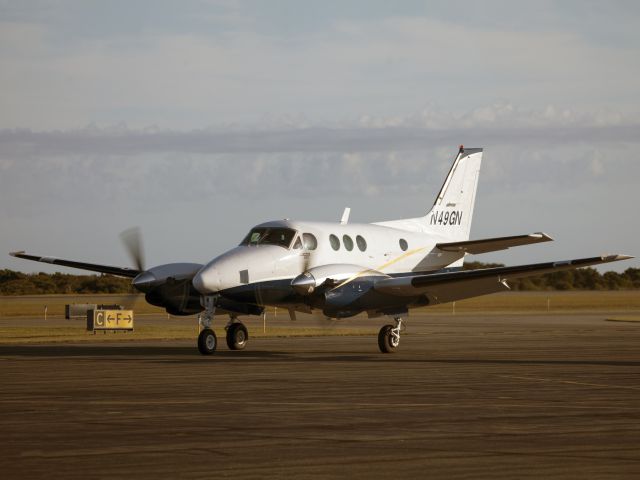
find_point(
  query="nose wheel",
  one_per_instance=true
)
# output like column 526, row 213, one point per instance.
column 207, row 342
column 237, row 336
column 389, row 337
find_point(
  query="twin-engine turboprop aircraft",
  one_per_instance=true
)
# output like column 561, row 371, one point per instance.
column 342, row 269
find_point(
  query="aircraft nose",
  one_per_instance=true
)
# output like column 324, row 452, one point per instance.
column 207, row 280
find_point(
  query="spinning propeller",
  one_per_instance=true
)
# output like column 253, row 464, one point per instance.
column 305, row 283
column 132, row 240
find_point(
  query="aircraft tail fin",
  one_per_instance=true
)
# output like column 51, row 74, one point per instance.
column 452, row 211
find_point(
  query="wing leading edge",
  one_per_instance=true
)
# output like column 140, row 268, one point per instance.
column 93, row 267
column 447, row 287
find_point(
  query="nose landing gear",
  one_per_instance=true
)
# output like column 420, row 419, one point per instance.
column 207, row 341
column 237, row 334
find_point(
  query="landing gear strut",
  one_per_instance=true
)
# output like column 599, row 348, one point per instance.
column 389, row 336
column 207, row 340
column 237, row 334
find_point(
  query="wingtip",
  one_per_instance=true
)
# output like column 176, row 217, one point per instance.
column 16, row 253
column 546, row 238
column 542, row 236
column 616, row 257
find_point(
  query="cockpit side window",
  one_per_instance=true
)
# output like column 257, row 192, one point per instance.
column 310, row 241
column 269, row 236
column 298, row 244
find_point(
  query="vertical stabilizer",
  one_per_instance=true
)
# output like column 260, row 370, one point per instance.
column 452, row 212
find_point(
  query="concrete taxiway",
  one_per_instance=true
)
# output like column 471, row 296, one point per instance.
column 465, row 397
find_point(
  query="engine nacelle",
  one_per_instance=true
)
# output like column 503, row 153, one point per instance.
column 163, row 274
column 169, row 286
column 329, row 275
column 347, row 300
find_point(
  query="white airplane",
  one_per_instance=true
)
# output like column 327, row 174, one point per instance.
column 342, row 269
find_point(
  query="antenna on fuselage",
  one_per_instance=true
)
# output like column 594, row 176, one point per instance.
column 345, row 216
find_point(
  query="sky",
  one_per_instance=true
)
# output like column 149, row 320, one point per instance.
column 196, row 120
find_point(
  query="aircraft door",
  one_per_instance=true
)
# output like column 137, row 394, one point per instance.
column 291, row 264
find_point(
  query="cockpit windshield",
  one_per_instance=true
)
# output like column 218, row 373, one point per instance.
column 269, row 236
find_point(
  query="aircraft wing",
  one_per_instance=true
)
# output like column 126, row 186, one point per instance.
column 120, row 271
column 494, row 244
column 451, row 286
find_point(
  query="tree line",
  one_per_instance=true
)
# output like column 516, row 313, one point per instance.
column 580, row 279
column 18, row 283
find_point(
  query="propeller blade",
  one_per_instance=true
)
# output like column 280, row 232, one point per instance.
column 304, row 283
column 132, row 240
column 306, row 261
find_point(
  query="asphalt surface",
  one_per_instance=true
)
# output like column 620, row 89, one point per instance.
column 465, row 397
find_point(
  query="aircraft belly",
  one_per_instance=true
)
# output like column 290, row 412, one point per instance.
column 262, row 293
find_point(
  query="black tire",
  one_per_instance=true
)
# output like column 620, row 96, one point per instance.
column 385, row 340
column 237, row 336
column 207, row 342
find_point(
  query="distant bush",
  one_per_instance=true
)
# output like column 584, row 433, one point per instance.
column 18, row 283
column 580, row 279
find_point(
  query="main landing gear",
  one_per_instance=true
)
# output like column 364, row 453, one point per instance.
column 237, row 334
column 389, row 336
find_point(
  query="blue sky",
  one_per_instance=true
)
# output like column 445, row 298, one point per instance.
column 196, row 120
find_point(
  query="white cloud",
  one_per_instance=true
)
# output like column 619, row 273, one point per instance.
column 182, row 79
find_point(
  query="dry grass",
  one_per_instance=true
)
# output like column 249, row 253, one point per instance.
column 542, row 302
column 511, row 302
column 32, row 305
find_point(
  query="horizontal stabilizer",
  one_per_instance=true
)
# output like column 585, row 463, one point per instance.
column 494, row 244
column 93, row 267
column 451, row 286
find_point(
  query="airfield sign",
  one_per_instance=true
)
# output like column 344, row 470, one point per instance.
column 114, row 320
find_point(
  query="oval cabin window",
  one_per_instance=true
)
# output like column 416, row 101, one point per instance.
column 403, row 244
column 348, row 243
column 362, row 244
column 334, row 241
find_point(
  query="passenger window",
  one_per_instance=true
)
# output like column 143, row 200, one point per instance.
column 348, row 243
column 310, row 241
column 362, row 244
column 403, row 244
column 298, row 243
column 334, row 241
